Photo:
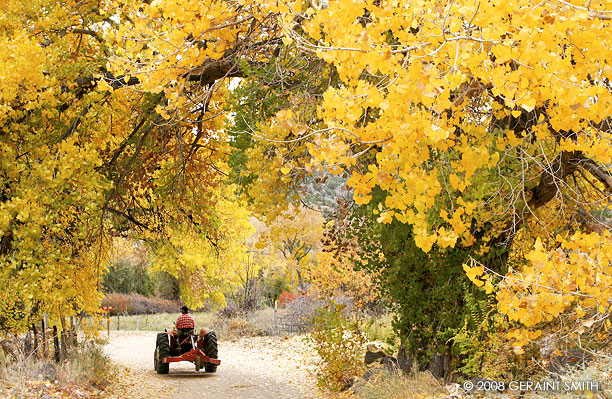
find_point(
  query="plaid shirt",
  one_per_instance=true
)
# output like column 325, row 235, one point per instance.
column 185, row 321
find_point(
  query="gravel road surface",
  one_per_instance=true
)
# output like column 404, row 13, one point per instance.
column 251, row 368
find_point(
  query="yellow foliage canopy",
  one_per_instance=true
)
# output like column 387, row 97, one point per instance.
column 452, row 94
column 479, row 121
column 88, row 152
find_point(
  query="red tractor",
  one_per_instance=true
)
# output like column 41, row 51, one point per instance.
column 184, row 345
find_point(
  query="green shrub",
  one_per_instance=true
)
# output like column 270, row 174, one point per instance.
column 166, row 286
column 127, row 278
column 274, row 286
column 339, row 343
column 428, row 292
column 480, row 344
column 380, row 328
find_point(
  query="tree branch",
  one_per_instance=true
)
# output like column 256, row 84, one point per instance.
column 128, row 217
column 593, row 168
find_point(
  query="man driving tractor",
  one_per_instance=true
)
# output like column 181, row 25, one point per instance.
column 183, row 344
column 185, row 320
column 184, row 325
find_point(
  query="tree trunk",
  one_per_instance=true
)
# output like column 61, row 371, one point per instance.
column 72, row 333
column 35, row 340
column 300, row 280
column 64, row 338
column 404, row 360
column 27, row 344
column 440, row 366
column 56, row 346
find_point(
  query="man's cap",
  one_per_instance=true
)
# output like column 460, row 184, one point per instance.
column 185, row 309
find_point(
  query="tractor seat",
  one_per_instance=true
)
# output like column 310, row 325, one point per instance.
column 183, row 335
column 185, row 332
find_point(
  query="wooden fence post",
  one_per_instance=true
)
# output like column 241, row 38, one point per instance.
column 44, row 337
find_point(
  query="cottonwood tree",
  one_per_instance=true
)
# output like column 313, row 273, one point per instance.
column 296, row 236
column 110, row 115
column 486, row 125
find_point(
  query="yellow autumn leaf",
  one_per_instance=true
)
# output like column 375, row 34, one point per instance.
column 488, row 287
column 474, row 272
column 529, row 105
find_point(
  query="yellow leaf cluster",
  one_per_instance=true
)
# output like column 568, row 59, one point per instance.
column 426, row 84
column 573, row 278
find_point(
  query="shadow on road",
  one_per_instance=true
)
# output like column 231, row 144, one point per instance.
column 185, row 374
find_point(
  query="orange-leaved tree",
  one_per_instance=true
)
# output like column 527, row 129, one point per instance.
column 335, row 273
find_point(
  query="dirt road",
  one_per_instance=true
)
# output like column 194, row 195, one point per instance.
column 252, row 367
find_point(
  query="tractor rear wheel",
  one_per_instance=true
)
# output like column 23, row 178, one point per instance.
column 210, row 349
column 162, row 349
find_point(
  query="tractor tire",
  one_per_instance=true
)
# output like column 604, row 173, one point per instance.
column 162, row 349
column 210, row 349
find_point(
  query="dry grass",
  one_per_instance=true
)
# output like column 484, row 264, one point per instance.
column 385, row 385
column 241, row 327
column 155, row 322
column 423, row 385
column 260, row 322
column 85, row 374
